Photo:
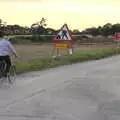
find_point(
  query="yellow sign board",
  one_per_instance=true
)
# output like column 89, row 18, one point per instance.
column 61, row 46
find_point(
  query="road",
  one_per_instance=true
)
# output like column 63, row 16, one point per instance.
column 82, row 91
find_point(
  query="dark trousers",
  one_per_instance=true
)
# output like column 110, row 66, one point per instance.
column 7, row 60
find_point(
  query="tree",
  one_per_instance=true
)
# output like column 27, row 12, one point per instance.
column 0, row 22
column 50, row 31
column 116, row 28
column 76, row 31
column 106, row 29
column 93, row 31
column 2, row 25
column 39, row 27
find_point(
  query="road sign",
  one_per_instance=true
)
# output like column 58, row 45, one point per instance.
column 117, row 36
column 63, row 35
column 62, row 46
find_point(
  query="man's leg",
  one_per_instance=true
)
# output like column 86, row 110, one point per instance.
column 8, row 61
column 1, row 59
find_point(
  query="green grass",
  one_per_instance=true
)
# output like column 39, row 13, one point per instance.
column 49, row 62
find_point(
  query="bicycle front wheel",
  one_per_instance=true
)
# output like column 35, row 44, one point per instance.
column 12, row 75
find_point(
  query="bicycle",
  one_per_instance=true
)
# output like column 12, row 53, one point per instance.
column 12, row 73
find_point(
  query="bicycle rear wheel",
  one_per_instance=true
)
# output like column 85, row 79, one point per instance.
column 12, row 74
column 3, row 66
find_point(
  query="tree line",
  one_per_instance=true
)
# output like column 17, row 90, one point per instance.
column 105, row 30
column 35, row 28
column 41, row 28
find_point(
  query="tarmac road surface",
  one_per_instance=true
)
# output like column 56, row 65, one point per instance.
column 82, row 91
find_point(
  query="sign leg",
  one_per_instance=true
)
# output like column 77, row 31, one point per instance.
column 58, row 52
column 53, row 51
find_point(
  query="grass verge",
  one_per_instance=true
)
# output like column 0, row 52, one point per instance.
column 49, row 62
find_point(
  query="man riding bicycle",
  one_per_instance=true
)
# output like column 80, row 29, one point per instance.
column 5, row 49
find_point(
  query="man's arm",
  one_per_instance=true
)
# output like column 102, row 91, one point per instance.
column 12, row 49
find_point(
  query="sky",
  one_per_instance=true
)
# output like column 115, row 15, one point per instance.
column 77, row 14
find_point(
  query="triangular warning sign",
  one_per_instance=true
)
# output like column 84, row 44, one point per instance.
column 63, row 34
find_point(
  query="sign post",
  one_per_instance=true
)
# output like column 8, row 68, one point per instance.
column 63, row 40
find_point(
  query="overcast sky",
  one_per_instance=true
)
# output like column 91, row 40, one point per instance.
column 78, row 14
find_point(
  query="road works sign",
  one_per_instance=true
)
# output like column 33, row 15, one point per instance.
column 63, row 40
column 63, row 35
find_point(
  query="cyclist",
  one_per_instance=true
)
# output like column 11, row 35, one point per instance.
column 5, row 49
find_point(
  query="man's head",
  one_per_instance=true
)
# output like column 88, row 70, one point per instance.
column 1, row 34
